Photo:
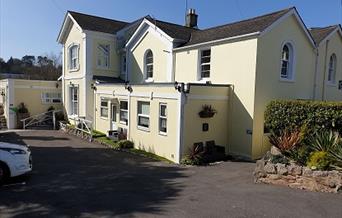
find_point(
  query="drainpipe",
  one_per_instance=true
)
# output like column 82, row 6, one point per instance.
column 325, row 69
column 315, row 74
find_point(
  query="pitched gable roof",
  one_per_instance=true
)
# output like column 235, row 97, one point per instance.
column 320, row 33
column 252, row 25
column 94, row 23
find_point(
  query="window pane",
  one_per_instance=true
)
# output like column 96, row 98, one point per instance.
column 205, row 67
column 163, row 125
column 144, row 108
column 104, row 103
column 144, row 121
column 124, row 105
column 205, row 59
column 163, row 110
column 206, row 52
column 124, row 116
column 104, row 112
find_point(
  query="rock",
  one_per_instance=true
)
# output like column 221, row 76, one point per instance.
column 319, row 173
column 267, row 156
column 275, row 151
column 259, row 171
column 307, row 171
column 270, row 168
column 338, row 189
column 274, row 177
column 294, row 170
column 281, row 169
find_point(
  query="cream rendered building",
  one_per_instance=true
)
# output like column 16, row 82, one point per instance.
column 149, row 79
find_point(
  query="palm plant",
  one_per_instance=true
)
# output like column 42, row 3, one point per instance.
column 286, row 141
column 325, row 141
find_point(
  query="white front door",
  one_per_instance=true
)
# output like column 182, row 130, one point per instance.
column 114, row 117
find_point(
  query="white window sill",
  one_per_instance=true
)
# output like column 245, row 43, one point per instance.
column 286, row 80
column 332, row 84
column 162, row 133
column 123, row 123
column 104, row 118
column 102, row 68
column 142, row 128
column 149, row 80
column 72, row 116
column 73, row 70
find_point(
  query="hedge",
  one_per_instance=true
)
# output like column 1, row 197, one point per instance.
column 293, row 114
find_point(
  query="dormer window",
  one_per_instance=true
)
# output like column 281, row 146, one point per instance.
column 149, row 65
column 103, row 55
column 73, row 57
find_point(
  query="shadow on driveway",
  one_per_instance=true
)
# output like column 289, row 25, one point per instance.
column 79, row 181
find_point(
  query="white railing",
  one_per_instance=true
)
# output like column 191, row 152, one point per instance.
column 40, row 119
column 83, row 125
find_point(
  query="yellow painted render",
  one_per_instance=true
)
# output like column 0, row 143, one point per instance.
column 75, row 36
column 231, row 63
column 160, row 59
column 77, row 83
column 331, row 92
column 268, row 84
column 217, row 124
column 30, row 91
column 151, row 140
column 114, row 63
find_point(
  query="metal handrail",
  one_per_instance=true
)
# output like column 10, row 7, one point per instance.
column 38, row 118
column 86, row 125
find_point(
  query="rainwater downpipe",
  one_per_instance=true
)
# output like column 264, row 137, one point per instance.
column 325, row 69
column 315, row 75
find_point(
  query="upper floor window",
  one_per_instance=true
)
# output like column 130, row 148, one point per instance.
column 103, row 56
column 287, row 62
column 149, row 64
column 332, row 69
column 123, row 66
column 205, row 63
column 73, row 57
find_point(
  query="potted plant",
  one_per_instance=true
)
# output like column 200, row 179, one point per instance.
column 22, row 113
column 207, row 111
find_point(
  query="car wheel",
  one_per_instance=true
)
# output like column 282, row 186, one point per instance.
column 3, row 173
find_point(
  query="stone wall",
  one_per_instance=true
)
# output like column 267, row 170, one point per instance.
column 296, row 176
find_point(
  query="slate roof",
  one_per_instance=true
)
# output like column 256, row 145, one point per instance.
column 100, row 24
column 320, row 33
column 189, row 36
column 252, row 25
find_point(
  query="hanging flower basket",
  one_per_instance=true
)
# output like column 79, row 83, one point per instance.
column 207, row 111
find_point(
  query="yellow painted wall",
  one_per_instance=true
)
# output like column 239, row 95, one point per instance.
column 217, row 124
column 231, row 63
column 114, row 63
column 151, row 141
column 331, row 92
column 160, row 59
column 78, row 83
column 29, row 92
column 268, row 83
column 75, row 36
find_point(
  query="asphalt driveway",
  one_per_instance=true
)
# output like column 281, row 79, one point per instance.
column 73, row 178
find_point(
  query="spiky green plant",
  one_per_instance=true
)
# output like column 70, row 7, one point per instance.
column 326, row 141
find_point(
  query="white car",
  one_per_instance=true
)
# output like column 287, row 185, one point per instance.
column 15, row 160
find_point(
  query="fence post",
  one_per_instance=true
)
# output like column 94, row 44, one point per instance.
column 24, row 125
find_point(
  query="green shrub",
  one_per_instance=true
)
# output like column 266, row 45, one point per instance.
column 289, row 115
column 300, row 154
column 194, row 156
column 125, row 144
column 319, row 160
column 286, row 141
column 325, row 140
column 279, row 159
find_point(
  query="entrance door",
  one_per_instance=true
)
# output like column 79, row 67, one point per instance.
column 114, row 117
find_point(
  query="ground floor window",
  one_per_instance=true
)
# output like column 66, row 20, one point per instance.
column 124, row 112
column 104, row 108
column 51, row 97
column 162, row 118
column 143, row 114
column 113, row 112
column 74, row 100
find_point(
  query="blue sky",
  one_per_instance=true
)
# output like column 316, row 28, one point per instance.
column 32, row 26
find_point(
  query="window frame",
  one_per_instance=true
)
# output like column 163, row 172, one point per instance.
column 290, row 76
column 103, row 100
column 144, row 128
column 146, row 65
column 123, row 72
column 74, row 102
column 200, row 64
column 161, row 117
column 71, row 67
column 333, row 59
column 125, row 122
column 102, row 55
column 50, row 99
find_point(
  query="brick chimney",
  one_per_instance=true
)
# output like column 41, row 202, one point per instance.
column 191, row 19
